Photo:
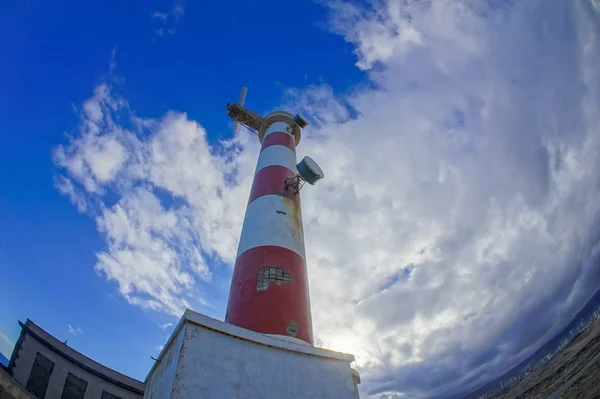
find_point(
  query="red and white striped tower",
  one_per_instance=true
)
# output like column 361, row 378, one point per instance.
column 269, row 288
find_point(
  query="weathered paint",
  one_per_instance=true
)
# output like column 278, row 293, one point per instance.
column 272, row 236
column 270, row 311
column 219, row 360
column 272, row 181
column 264, row 226
column 165, row 371
column 272, row 275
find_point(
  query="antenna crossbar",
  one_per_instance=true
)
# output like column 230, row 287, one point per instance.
column 244, row 116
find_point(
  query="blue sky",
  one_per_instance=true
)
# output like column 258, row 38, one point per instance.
column 456, row 230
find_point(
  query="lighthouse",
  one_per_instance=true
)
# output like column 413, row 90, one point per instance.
column 269, row 288
column 264, row 349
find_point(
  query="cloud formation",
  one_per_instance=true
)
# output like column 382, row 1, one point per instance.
column 166, row 325
column 457, row 228
column 169, row 18
column 179, row 202
column 75, row 331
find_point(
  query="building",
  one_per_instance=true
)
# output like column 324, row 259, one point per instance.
column 512, row 381
column 547, row 357
column 11, row 389
column 48, row 368
column 563, row 344
column 207, row 358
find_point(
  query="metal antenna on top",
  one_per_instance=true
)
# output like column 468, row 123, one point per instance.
column 244, row 116
column 241, row 103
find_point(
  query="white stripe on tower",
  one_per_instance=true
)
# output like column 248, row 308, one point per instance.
column 276, row 155
column 272, row 220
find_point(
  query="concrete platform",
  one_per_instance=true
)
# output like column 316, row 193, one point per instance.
column 206, row 358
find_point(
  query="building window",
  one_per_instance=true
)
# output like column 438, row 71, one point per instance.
column 108, row 395
column 74, row 388
column 40, row 376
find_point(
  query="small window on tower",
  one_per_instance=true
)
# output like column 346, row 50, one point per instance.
column 272, row 274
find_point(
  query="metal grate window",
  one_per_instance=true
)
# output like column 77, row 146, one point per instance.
column 272, row 274
column 108, row 395
column 40, row 376
column 74, row 388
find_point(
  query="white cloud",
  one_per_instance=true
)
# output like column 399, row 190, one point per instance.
column 178, row 10
column 457, row 227
column 95, row 156
column 163, row 31
column 160, row 15
column 167, row 221
column 75, row 331
column 113, row 62
column 475, row 164
column 166, row 325
column 160, row 347
column 169, row 18
column 65, row 187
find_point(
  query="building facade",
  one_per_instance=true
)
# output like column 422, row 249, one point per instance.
column 48, row 368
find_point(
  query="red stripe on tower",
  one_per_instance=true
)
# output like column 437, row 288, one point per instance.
column 279, row 138
column 269, row 288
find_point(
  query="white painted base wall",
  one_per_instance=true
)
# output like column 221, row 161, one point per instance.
column 206, row 358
